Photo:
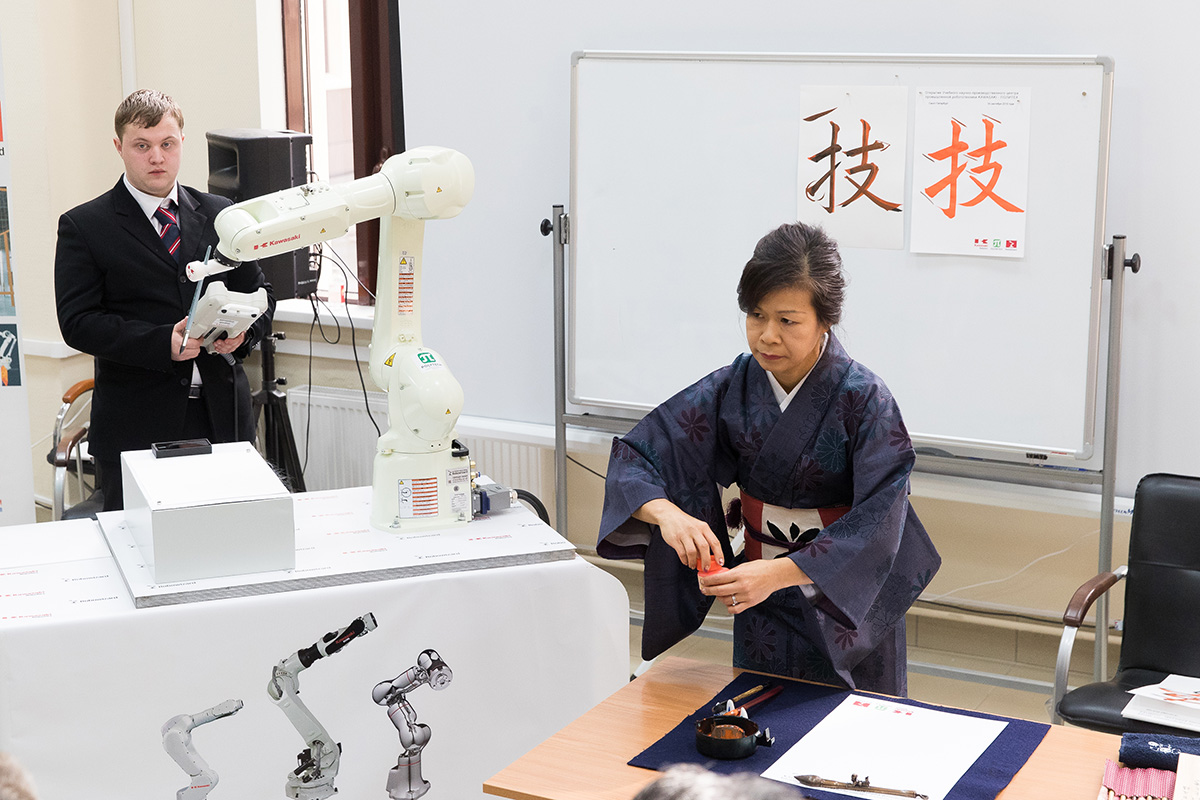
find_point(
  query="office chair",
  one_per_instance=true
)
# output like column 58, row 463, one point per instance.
column 69, row 457
column 1162, row 594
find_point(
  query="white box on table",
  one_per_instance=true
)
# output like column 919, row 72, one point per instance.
column 208, row 515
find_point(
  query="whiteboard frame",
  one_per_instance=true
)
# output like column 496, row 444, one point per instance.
column 1084, row 459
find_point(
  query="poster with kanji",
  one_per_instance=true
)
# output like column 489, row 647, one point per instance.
column 852, row 163
column 970, row 189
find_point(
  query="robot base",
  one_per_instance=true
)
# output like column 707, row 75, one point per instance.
column 404, row 780
column 417, row 492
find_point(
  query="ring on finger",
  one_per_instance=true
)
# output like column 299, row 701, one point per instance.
column 733, row 601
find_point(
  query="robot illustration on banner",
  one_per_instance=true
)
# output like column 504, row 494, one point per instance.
column 421, row 475
column 177, row 741
column 404, row 780
column 318, row 763
column 8, row 344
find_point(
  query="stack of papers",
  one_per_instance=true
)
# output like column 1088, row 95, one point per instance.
column 1174, row 702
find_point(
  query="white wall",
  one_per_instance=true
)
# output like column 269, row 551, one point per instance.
column 492, row 79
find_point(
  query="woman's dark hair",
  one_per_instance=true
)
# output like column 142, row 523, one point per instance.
column 796, row 256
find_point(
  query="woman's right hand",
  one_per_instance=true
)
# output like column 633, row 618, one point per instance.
column 692, row 539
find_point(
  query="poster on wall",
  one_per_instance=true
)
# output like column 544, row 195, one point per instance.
column 16, row 471
column 970, row 171
column 851, row 167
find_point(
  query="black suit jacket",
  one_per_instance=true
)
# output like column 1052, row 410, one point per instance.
column 119, row 294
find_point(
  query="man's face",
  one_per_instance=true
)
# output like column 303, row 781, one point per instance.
column 152, row 155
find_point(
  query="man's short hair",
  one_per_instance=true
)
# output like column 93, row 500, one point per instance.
column 145, row 108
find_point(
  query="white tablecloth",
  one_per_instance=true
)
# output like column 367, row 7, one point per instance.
column 86, row 687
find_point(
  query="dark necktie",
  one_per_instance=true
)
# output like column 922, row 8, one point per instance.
column 170, row 229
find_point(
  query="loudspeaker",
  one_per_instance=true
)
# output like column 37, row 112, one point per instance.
column 250, row 162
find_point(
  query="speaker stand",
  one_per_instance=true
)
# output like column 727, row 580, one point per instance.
column 279, row 443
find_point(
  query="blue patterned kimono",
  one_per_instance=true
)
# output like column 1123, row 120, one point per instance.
column 841, row 442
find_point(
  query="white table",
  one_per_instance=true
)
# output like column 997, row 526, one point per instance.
column 87, row 679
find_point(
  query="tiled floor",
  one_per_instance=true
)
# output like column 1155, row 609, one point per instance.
column 968, row 694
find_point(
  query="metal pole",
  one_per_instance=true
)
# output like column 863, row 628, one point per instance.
column 1116, row 298
column 557, row 224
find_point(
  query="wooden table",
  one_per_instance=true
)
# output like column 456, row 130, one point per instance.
column 589, row 758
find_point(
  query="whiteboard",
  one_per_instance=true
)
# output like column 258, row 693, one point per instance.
column 681, row 162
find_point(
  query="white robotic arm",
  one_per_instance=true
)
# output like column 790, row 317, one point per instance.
column 177, row 741
column 420, row 184
column 420, row 480
column 318, row 763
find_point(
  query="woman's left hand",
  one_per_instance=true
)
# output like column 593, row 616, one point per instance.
column 751, row 582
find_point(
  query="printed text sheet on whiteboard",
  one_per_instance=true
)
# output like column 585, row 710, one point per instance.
column 970, row 171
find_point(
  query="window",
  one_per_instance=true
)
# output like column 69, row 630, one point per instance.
column 342, row 75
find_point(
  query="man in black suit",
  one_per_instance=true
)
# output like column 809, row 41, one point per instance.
column 123, row 297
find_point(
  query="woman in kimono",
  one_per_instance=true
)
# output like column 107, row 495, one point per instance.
column 834, row 554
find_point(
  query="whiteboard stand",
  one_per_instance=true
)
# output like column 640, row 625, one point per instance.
column 1116, row 264
column 557, row 224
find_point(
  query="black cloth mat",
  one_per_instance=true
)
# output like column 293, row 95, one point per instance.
column 800, row 706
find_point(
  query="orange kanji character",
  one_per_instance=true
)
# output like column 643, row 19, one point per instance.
column 986, row 151
column 952, row 152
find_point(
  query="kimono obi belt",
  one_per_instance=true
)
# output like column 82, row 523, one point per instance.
column 773, row 531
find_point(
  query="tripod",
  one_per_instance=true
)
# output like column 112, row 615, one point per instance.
column 279, row 443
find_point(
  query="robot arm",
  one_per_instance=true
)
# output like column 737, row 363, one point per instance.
column 318, row 763
column 420, row 184
column 429, row 669
column 8, row 341
column 404, row 780
column 177, row 741
column 415, row 458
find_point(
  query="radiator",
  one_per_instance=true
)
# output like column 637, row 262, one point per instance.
column 336, row 442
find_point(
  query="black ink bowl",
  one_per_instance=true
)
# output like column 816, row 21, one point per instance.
column 730, row 737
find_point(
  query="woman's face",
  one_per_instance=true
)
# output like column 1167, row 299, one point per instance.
column 785, row 335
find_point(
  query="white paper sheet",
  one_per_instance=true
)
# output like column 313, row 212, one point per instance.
column 970, row 188
column 852, row 163
column 896, row 746
column 1175, row 701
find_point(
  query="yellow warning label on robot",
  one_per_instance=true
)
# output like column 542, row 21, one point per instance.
column 439, row 190
column 390, row 358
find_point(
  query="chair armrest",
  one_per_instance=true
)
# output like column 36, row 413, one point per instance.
column 1077, row 609
column 1087, row 594
column 64, row 453
column 74, row 393
column 79, row 389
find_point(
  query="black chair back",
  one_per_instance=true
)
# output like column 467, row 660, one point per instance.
column 1162, row 590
